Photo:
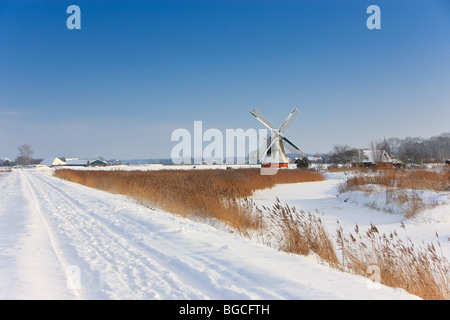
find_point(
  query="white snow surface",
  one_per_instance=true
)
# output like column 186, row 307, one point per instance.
column 61, row 240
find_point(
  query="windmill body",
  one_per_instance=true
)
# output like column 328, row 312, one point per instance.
column 273, row 153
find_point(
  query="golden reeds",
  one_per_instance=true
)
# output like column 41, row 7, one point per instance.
column 400, row 187
column 300, row 232
column 416, row 179
column 422, row 271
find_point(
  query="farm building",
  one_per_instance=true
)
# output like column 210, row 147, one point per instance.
column 98, row 163
column 77, row 163
column 116, row 163
column 5, row 163
column 374, row 158
column 52, row 162
column 397, row 163
column 72, row 162
column 315, row 159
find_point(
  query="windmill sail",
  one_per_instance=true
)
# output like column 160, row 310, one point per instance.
column 262, row 119
column 269, row 144
column 287, row 123
column 293, row 145
column 293, row 148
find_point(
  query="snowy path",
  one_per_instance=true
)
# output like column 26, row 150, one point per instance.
column 60, row 240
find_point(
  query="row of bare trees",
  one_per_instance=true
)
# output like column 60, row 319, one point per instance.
column 409, row 150
column 419, row 150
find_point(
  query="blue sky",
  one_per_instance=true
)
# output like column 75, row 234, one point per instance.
column 137, row 70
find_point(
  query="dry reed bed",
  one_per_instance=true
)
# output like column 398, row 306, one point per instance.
column 422, row 271
column 400, row 187
column 299, row 232
column 416, row 179
column 220, row 194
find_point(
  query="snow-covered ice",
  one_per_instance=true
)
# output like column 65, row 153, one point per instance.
column 61, row 240
column 352, row 208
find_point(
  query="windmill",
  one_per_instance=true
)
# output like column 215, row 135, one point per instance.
column 273, row 154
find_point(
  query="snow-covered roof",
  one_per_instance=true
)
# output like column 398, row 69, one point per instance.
column 98, row 161
column 375, row 156
column 52, row 161
column 77, row 162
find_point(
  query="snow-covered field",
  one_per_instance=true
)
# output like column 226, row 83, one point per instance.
column 61, row 240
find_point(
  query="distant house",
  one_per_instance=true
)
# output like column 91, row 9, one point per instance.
column 5, row 163
column 314, row 159
column 374, row 158
column 52, row 162
column 116, row 163
column 77, row 163
column 98, row 163
column 397, row 163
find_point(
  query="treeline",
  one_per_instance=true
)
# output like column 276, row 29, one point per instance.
column 419, row 150
column 409, row 150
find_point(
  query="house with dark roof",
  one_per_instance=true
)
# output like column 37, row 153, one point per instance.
column 5, row 163
column 98, row 163
column 77, row 163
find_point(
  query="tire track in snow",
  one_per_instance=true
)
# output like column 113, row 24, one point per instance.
column 113, row 256
column 36, row 212
column 178, row 276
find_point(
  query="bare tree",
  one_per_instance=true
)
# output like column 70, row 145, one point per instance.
column 338, row 154
column 25, row 155
column 394, row 145
column 344, row 154
column 377, row 154
column 413, row 150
